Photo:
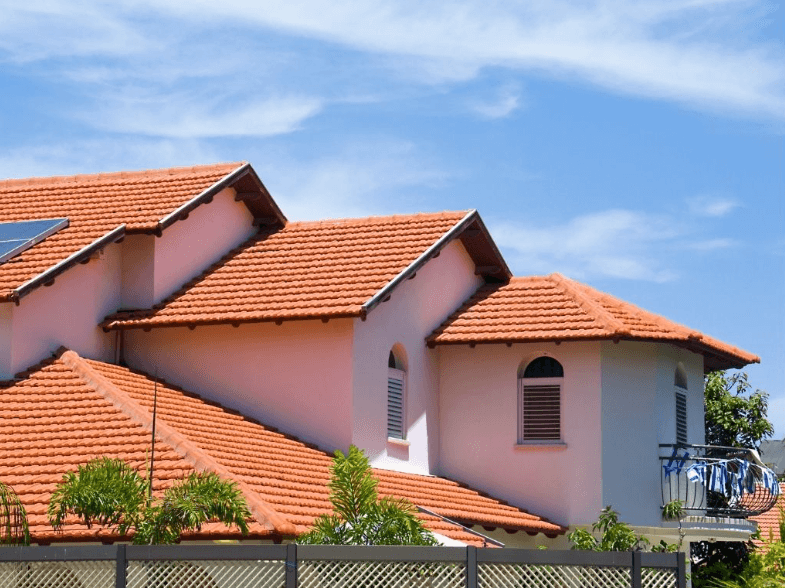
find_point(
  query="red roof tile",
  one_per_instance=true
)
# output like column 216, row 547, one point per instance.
column 555, row 308
column 769, row 522
column 305, row 270
column 94, row 206
column 70, row 410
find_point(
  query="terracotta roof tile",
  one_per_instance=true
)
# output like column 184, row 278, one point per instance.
column 769, row 522
column 305, row 270
column 555, row 308
column 69, row 410
column 94, row 206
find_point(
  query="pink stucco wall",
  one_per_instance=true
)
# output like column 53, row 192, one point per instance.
column 416, row 307
column 190, row 246
column 67, row 313
column 478, row 408
column 296, row 376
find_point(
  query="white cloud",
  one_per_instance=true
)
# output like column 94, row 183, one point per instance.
column 185, row 117
column 697, row 53
column 359, row 181
column 712, row 206
column 506, row 102
column 613, row 243
column 93, row 156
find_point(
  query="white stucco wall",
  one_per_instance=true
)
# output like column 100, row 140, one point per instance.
column 190, row 246
column 638, row 413
column 415, row 309
column 67, row 313
column 6, row 338
column 296, row 376
column 478, row 409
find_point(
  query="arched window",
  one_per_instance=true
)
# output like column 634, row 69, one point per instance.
column 680, row 395
column 396, row 394
column 539, row 400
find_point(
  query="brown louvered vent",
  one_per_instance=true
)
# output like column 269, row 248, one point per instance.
column 396, row 384
column 540, row 412
column 681, row 417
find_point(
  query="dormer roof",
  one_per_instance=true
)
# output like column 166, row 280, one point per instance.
column 325, row 269
column 102, row 208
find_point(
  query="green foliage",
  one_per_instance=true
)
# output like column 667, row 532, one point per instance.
column 673, row 510
column 360, row 517
column 109, row 492
column 614, row 535
column 735, row 417
column 13, row 518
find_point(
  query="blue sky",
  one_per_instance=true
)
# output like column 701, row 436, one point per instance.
column 636, row 146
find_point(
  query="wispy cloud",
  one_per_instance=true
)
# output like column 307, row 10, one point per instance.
column 360, row 180
column 502, row 105
column 698, row 53
column 613, row 243
column 712, row 206
column 185, row 117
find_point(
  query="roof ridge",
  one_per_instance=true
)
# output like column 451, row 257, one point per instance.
column 48, row 180
column 611, row 323
column 376, row 218
column 192, row 453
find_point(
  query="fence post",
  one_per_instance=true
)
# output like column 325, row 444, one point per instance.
column 291, row 565
column 120, row 569
column 682, row 570
column 471, row 566
column 637, row 581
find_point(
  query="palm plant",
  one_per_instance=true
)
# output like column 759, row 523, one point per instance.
column 359, row 516
column 111, row 493
column 13, row 518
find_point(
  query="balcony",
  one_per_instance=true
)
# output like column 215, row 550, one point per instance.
column 715, row 481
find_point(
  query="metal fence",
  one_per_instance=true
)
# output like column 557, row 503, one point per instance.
column 299, row 566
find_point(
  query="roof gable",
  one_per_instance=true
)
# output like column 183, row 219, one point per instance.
column 325, row 269
column 555, row 308
column 101, row 208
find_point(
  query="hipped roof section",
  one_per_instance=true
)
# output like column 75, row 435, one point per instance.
column 324, row 269
column 68, row 410
column 555, row 308
column 103, row 208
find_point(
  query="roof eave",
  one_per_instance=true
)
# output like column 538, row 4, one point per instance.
column 244, row 178
column 475, row 238
column 47, row 277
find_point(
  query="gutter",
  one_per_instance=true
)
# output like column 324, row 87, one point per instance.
column 471, row 217
column 80, row 256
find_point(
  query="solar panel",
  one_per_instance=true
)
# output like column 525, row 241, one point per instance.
column 18, row 236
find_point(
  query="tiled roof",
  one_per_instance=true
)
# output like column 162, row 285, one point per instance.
column 555, row 308
column 69, row 410
column 94, row 205
column 769, row 522
column 305, row 270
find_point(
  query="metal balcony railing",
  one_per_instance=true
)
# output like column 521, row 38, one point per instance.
column 716, row 481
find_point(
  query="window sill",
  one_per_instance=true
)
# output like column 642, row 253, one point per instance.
column 401, row 442
column 541, row 446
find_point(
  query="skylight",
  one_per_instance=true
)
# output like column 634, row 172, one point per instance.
column 19, row 236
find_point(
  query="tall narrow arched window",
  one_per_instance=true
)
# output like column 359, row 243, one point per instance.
column 396, row 395
column 539, row 400
column 680, row 396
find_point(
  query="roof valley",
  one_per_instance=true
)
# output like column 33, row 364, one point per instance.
column 189, row 451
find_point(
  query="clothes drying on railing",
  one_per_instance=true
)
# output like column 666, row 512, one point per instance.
column 733, row 477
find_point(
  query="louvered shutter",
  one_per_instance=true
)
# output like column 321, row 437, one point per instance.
column 539, row 412
column 396, row 386
column 681, row 417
